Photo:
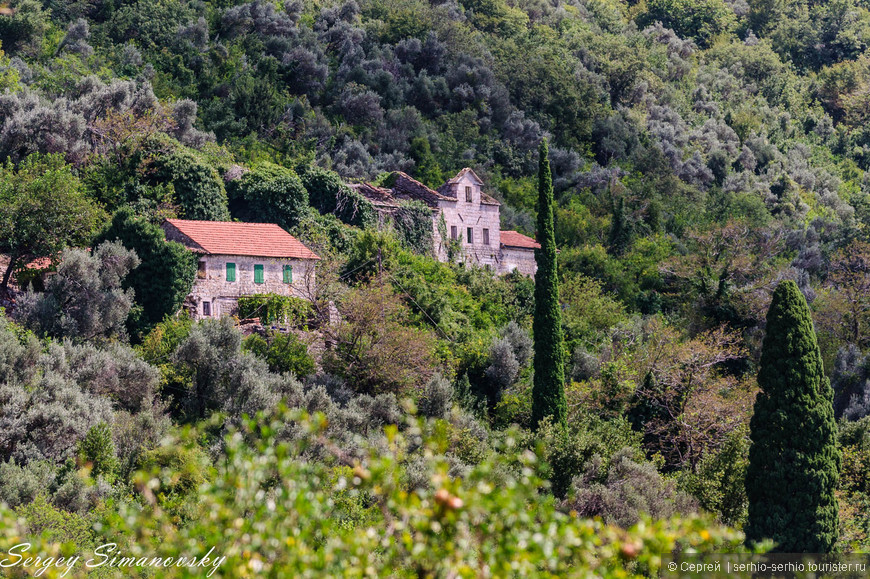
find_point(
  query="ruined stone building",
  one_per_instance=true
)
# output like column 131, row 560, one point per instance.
column 465, row 221
column 238, row 259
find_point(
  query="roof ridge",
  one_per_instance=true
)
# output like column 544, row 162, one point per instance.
column 173, row 219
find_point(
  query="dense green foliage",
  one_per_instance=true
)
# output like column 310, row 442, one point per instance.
column 548, row 394
column 371, row 521
column 198, row 188
column 328, row 194
column 700, row 153
column 794, row 462
column 42, row 210
column 164, row 275
column 274, row 308
column 283, row 352
column 269, row 193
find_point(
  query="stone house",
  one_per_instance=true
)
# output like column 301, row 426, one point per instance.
column 238, row 259
column 465, row 221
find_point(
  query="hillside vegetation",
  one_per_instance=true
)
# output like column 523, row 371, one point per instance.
column 702, row 152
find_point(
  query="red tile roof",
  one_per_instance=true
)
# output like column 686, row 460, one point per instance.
column 40, row 263
column 517, row 239
column 234, row 238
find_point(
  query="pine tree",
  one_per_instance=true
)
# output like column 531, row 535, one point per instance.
column 548, row 393
column 793, row 461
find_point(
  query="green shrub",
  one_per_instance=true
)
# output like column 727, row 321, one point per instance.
column 718, row 481
column 20, row 485
column 274, row 308
column 436, row 397
column 282, row 352
column 24, row 27
column 515, row 407
column 162, row 340
column 626, row 490
column 223, row 378
column 98, row 451
column 56, row 525
column 567, row 449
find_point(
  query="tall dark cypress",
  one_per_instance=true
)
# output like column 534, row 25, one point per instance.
column 548, row 393
column 793, row 461
column 620, row 236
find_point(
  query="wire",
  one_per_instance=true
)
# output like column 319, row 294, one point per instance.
column 369, row 262
column 419, row 307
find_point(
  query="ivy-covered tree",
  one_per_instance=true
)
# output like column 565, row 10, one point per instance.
column 548, row 393
column 164, row 276
column 269, row 193
column 793, row 461
column 199, row 189
column 328, row 194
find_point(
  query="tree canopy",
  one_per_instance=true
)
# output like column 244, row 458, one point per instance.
column 43, row 209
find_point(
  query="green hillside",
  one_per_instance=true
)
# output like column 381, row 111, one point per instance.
column 702, row 152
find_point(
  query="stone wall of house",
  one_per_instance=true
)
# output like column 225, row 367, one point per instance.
column 514, row 258
column 475, row 215
column 211, row 284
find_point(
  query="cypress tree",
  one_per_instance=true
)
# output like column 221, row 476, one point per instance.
column 548, row 392
column 619, row 237
column 793, row 461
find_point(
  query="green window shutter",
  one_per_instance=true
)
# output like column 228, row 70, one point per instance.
column 288, row 274
column 258, row 273
column 231, row 271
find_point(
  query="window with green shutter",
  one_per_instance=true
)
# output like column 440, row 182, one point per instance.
column 258, row 273
column 288, row 274
column 231, row 271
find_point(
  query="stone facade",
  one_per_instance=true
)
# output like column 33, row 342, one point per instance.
column 518, row 259
column 229, row 260
column 222, row 296
column 473, row 223
column 465, row 221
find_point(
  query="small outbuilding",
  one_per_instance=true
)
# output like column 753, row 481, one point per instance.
column 239, row 259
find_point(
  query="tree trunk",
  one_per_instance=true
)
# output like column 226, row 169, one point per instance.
column 4, row 285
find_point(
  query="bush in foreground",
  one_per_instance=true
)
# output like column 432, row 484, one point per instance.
column 272, row 514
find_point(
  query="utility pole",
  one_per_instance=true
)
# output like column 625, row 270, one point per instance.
column 381, row 289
